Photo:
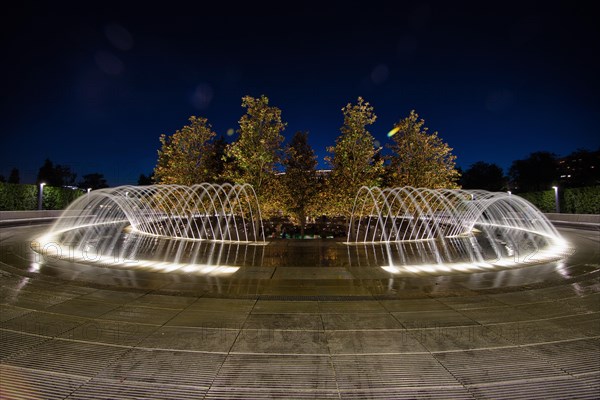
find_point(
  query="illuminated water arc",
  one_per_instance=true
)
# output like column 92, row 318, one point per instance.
column 214, row 230
column 229, row 213
column 167, row 228
column 450, row 228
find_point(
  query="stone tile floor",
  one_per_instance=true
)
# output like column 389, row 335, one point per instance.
column 325, row 335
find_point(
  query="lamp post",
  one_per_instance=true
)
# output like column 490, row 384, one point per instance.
column 556, row 199
column 41, row 195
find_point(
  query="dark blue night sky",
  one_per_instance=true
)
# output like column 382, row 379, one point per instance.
column 94, row 89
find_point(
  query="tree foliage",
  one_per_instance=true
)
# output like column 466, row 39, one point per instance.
column 257, row 151
column 56, row 175
column 482, row 175
column 184, row 157
column 14, row 176
column 145, row 180
column 353, row 159
column 93, row 181
column 216, row 160
column 539, row 171
column 300, row 185
column 420, row 159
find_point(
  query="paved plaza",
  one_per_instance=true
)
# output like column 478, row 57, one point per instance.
column 325, row 331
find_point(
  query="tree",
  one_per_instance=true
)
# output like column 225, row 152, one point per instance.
column 144, row 180
column 482, row 175
column 257, row 151
column 56, row 175
column 14, row 176
column 93, row 181
column 183, row 157
column 420, row 159
column 353, row 159
column 216, row 160
column 537, row 172
column 300, row 180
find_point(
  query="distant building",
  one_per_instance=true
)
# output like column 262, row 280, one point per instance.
column 320, row 173
column 580, row 168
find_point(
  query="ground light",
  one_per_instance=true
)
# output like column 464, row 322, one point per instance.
column 41, row 195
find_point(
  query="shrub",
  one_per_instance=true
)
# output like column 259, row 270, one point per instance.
column 584, row 200
column 16, row 197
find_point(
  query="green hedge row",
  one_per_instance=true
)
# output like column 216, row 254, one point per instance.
column 542, row 200
column 585, row 200
column 15, row 197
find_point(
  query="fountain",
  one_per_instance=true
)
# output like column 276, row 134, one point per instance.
column 425, row 230
column 201, row 228
column 212, row 229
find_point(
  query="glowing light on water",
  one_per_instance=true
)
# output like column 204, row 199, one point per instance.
column 212, row 230
column 432, row 231
column 166, row 228
column 554, row 251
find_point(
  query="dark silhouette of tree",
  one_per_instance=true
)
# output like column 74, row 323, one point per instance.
column 300, row 184
column 93, row 181
column 56, row 175
column 537, row 172
column 14, row 176
column 482, row 175
column 144, row 180
column 2, row 179
column 216, row 160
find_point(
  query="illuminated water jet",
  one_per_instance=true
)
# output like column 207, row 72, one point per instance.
column 211, row 229
column 196, row 228
column 206, row 211
column 432, row 231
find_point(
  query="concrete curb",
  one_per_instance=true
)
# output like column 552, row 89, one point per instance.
column 8, row 218
column 579, row 221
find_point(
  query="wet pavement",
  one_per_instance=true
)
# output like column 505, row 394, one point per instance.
column 306, row 322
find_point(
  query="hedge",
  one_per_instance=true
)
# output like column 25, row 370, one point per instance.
column 584, row 200
column 15, row 197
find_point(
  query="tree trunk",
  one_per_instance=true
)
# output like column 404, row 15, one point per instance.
column 302, row 218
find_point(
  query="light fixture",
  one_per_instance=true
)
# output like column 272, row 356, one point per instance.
column 41, row 195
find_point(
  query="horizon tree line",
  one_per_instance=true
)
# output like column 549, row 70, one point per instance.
column 58, row 175
column 418, row 158
column 193, row 155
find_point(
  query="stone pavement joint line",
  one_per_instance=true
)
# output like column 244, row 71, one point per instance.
column 526, row 334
